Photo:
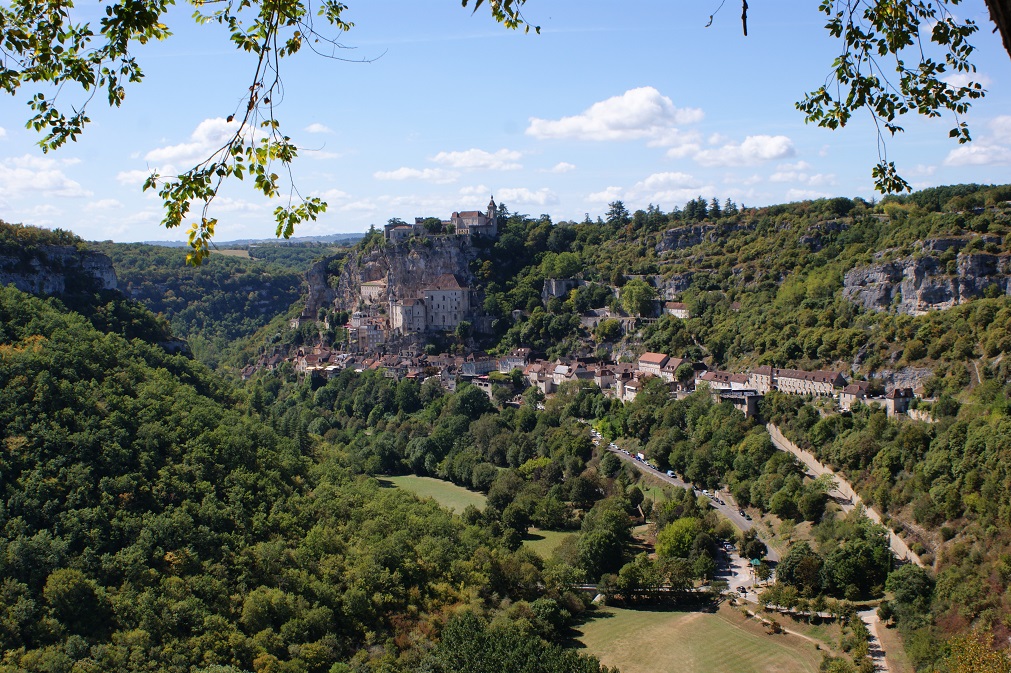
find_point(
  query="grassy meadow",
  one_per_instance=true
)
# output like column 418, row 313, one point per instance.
column 447, row 494
column 544, row 542
column 652, row 641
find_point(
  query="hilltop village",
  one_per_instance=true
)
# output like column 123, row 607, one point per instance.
column 393, row 319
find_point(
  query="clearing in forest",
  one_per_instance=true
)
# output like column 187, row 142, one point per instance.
column 447, row 494
column 654, row 641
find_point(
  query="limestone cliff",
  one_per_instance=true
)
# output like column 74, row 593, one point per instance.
column 56, row 269
column 924, row 281
column 406, row 267
column 682, row 238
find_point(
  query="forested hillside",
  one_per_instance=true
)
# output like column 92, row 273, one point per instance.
column 155, row 518
column 219, row 303
column 780, row 285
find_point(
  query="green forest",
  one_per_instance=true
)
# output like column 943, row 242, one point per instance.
column 159, row 514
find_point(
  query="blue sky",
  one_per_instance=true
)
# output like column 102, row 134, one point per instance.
column 639, row 102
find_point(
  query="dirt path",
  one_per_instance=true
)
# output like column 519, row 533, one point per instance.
column 877, row 652
column 844, row 492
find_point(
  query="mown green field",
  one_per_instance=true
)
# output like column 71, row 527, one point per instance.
column 649, row 641
column 447, row 494
column 544, row 542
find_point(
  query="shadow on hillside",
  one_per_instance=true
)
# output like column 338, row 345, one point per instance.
column 571, row 636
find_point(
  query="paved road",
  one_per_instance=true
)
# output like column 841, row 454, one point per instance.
column 843, row 494
column 727, row 510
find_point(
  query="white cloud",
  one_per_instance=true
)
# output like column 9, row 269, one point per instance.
column 666, row 188
column 959, row 79
column 44, row 210
column 136, row 177
column 436, row 175
column 754, row 150
column 666, row 181
column 319, row 154
column 978, row 153
column 562, row 167
column 209, row 136
column 800, row 173
column 3, row 132
column 990, row 148
column 1001, row 128
column 224, row 204
column 503, row 160
column 334, row 195
column 28, row 173
column 541, row 197
column 478, row 190
column 642, row 113
column 364, row 206
column 103, row 204
column 605, row 196
column 922, row 169
column 804, row 195
column 316, row 127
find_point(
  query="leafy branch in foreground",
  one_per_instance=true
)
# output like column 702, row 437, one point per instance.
column 43, row 46
column 879, row 36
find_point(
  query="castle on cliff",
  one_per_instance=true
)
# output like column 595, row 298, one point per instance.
column 467, row 223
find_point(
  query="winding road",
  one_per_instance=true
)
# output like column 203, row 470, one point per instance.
column 732, row 514
column 843, row 493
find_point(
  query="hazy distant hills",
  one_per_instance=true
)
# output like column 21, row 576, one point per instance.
column 345, row 239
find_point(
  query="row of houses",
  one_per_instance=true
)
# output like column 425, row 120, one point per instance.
column 623, row 380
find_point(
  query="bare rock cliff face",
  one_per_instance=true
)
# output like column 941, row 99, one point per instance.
column 406, row 267
column 320, row 292
column 914, row 285
column 57, row 269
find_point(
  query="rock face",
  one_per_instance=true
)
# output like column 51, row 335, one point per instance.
column 671, row 288
column 682, row 238
column 57, row 269
column 920, row 283
column 407, row 268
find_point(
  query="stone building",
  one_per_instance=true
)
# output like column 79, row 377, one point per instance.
column 677, row 309
column 408, row 316
column 373, row 291
column 447, row 302
column 475, row 223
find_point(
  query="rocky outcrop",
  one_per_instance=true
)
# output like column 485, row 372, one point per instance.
column 407, row 268
column 320, row 294
column 681, row 238
column 57, row 269
column 672, row 287
column 923, row 282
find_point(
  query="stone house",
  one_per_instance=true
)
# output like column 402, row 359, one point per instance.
column 897, row 401
column 652, row 363
column 447, row 303
column 677, row 309
column 854, row 392
column 408, row 316
column 718, row 380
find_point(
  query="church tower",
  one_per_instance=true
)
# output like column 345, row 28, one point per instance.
column 493, row 216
